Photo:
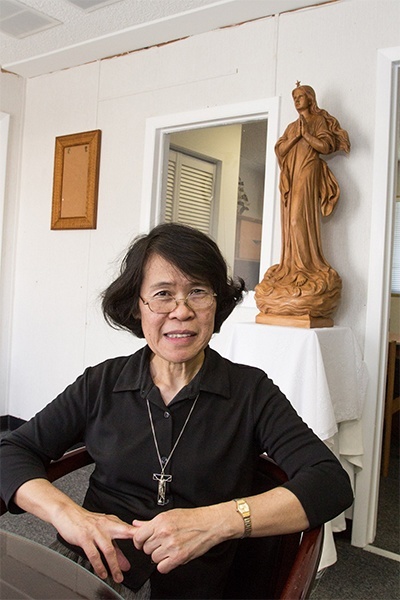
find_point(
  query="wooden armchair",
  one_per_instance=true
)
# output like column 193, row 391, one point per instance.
column 280, row 567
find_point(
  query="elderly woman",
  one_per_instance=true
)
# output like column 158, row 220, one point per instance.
column 175, row 431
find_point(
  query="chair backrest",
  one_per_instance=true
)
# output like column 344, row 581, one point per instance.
column 279, row 567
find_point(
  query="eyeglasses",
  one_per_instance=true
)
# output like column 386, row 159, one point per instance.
column 195, row 300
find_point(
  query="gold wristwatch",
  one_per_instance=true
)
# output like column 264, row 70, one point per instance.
column 244, row 509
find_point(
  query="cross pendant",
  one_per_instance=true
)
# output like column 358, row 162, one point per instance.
column 162, row 479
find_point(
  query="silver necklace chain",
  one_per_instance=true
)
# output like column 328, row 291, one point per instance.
column 161, row 477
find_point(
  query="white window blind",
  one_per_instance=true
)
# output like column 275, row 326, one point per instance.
column 169, row 200
column 190, row 191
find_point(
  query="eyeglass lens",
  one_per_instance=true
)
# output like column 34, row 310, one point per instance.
column 195, row 301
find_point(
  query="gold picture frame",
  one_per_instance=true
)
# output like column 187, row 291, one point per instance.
column 76, row 179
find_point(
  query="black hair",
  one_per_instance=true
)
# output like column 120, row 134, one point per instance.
column 192, row 252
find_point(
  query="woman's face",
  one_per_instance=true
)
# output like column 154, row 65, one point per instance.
column 181, row 335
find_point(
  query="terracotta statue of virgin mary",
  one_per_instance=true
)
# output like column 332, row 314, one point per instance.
column 303, row 288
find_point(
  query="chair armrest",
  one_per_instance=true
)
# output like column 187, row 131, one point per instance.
column 269, row 468
column 70, row 461
column 302, row 574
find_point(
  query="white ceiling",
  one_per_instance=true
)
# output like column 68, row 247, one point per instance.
column 72, row 35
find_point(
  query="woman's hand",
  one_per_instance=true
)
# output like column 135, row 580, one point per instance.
column 177, row 536
column 93, row 532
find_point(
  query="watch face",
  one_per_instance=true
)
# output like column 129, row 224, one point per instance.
column 243, row 507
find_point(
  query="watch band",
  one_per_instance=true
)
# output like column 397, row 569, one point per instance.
column 244, row 510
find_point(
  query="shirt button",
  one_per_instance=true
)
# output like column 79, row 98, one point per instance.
column 164, row 459
column 166, row 415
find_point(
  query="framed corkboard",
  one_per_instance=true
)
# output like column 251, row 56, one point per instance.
column 76, row 179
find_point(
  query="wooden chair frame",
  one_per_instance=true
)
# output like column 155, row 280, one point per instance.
column 293, row 559
column 392, row 405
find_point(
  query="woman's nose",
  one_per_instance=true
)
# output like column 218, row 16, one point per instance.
column 182, row 309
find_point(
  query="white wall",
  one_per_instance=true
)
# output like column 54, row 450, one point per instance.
column 55, row 325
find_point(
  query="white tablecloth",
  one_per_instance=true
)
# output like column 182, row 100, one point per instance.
column 321, row 372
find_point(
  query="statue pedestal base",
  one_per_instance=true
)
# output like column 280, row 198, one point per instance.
column 304, row 321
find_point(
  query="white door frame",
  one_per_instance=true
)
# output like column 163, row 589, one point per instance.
column 156, row 156
column 4, row 127
column 378, row 301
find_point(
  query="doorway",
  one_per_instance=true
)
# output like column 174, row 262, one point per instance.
column 377, row 318
column 387, row 534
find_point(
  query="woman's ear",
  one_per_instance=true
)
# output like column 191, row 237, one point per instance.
column 136, row 312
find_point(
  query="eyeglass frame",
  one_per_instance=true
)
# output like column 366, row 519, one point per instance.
column 177, row 300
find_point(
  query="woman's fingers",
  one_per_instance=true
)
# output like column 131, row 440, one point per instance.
column 123, row 562
column 93, row 556
column 95, row 534
column 111, row 528
column 174, row 537
column 114, row 559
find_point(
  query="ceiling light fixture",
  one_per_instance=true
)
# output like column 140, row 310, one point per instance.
column 89, row 5
column 20, row 21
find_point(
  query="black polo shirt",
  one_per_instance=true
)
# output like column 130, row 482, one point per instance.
column 239, row 414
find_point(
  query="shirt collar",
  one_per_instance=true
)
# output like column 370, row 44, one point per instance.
column 213, row 376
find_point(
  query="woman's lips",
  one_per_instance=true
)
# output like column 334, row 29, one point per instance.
column 179, row 335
